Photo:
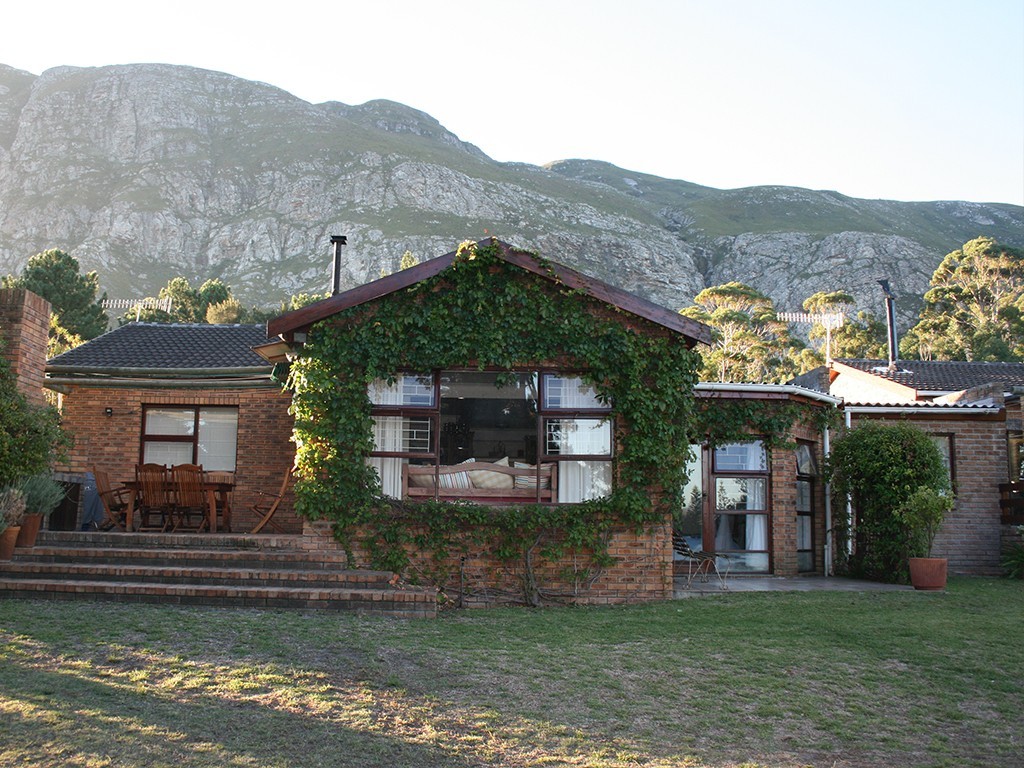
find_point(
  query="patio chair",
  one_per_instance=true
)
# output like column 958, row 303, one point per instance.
column 700, row 564
column 154, row 501
column 268, row 504
column 191, row 510
column 114, row 500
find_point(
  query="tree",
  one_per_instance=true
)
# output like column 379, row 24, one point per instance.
column 228, row 311
column 863, row 336
column 30, row 435
column 974, row 309
column 408, row 260
column 55, row 276
column 750, row 343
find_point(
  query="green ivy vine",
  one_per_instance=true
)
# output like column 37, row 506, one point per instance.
column 485, row 313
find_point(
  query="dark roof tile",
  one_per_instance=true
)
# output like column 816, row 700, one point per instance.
column 171, row 347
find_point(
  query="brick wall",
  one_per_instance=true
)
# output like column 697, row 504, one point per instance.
column 25, row 326
column 970, row 535
column 642, row 571
column 113, row 443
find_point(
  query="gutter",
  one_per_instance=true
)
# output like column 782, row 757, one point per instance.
column 908, row 408
column 768, row 389
column 64, row 383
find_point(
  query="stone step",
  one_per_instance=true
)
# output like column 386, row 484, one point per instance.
column 263, row 576
column 406, row 602
column 205, row 541
column 284, row 559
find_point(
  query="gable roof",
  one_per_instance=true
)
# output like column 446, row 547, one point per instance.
column 167, row 349
column 300, row 320
column 941, row 376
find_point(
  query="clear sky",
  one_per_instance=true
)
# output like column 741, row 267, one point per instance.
column 894, row 99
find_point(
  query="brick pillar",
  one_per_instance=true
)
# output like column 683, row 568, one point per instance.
column 24, row 328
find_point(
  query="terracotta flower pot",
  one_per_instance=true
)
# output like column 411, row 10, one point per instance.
column 7, row 542
column 30, row 526
column 928, row 573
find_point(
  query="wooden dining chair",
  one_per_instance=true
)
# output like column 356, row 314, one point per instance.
column 191, row 510
column 268, row 504
column 114, row 500
column 154, row 501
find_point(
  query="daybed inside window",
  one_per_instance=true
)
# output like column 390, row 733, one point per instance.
column 493, row 437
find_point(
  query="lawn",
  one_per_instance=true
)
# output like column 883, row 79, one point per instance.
column 751, row 679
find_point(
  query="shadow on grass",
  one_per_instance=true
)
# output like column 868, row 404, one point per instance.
column 50, row 718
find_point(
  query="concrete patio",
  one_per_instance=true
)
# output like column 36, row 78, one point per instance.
column 781, row 584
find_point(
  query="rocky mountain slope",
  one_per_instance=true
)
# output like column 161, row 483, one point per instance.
column 144, row 172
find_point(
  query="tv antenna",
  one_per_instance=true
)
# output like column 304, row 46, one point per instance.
column 828, row 320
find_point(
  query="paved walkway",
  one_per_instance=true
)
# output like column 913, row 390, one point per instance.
column 783, row 584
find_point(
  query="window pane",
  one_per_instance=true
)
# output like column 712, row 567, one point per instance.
column 583, row 480
column 578, row 437
column 805, row 463
column 1016, row 451
column 803, row 532
column 738, row 493
column 170, row 421
column 411, row 390
column 218, row 438
column 170, row 454
column 690, row 522
column 570, row 393
column 402, row 434
column 741, row 457
column 945, row 446
column 741, row 532
column 483, row 421
column 803, row 496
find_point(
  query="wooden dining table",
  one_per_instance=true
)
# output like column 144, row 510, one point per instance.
column 215, row 490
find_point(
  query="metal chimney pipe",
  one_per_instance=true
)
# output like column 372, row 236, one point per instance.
column 338, row 241
column 890, row 319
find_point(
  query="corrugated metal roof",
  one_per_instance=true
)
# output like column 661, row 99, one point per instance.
column 170, row 347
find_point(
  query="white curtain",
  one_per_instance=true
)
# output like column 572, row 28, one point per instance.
column 387, row 436
column 580, row 480
column 757, row 525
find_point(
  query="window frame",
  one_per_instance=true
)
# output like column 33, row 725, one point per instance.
column 715, row 473
column 812, row 481
column 545, row 415
column 146, row 437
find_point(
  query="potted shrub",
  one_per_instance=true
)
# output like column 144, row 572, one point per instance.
column 12, row 507
column 880, row 466
column 42, row 495
column 922, row 514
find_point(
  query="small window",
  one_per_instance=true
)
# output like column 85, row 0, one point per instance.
column 190, row 435
column 741, row 457
column 571, row 393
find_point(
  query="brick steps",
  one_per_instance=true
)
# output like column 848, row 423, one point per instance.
column 189, row 569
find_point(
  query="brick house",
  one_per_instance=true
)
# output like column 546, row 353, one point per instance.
column 200, row 393
column 973, row 412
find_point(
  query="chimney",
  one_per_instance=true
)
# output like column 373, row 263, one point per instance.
column 338, row 241
column 24, row 331
column 890, row 319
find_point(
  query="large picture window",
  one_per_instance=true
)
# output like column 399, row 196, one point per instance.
column 522, row 435
column 190, row 435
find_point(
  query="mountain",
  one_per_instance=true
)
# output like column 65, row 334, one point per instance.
column 144, row 172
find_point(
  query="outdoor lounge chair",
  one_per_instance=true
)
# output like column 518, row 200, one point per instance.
column 114, row 500
column 700, row 564
column 268, row 504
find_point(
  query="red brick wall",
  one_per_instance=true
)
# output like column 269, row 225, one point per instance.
column 112, row 443
column 783, row 506
column 25, row 326
column 969, row 537
column 642, row 571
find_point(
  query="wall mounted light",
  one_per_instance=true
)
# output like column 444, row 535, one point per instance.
column 108, row 411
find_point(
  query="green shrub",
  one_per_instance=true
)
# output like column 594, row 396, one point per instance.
column 882, row 468
column 42, row 494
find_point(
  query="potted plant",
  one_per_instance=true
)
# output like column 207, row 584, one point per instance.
column 922, row 514
column 12, row 508
column 42, row 495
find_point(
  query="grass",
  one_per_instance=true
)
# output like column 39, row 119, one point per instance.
column 753, row 679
